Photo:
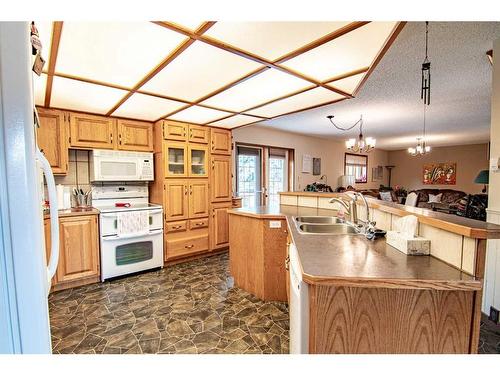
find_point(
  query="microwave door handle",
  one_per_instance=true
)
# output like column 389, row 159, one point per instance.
column 54, row 215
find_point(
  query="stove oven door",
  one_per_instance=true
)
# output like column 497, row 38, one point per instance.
column 124, row 255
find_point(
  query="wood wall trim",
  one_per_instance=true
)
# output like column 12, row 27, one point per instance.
column 54, row 49
column 171, row 57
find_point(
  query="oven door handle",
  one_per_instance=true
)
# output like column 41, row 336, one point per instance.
column 117, row 237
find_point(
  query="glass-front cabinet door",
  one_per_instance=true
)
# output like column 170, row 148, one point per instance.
column 198, row 161
column 175, row 159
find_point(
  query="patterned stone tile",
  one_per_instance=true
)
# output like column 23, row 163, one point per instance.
column 186, row 308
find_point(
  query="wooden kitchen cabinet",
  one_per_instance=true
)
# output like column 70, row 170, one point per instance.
column 198, row 198
column 176, row 204
column 48, row 243
column 78, row 249
column 220, row 141
column 176, row 159
column 52, row 139
column 219, row 225
column 135, row 135
column 175, row 131
column 197, row 160
column 90, row 131
column 220, row 179
column 199, row 134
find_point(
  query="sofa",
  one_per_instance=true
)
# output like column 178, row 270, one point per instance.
column 449, row 197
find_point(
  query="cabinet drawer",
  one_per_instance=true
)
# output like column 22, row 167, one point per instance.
column 186, row 246
column 198, row 223
column 175, row 226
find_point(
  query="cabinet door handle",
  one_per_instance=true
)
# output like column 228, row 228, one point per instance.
column 111, row 137
column 189, row 246
column 191, row 190
column 177, row 227
column 287, row 263
column 198, row 224
column 213, row 165
column 185, row 190
column 120, row 138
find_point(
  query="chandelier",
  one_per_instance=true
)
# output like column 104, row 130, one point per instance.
column 425, row 94
column 361, row 144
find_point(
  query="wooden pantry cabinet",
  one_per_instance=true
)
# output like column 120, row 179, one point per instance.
column 78, row 251
column 220, row 141
column 194, row 185
column 52, row 138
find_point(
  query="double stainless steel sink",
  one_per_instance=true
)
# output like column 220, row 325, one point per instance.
column 324, row 225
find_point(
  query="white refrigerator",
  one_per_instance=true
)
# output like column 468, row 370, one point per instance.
column 25, row 272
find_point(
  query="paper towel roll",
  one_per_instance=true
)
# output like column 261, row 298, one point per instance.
column 60, row 196
column 67, row 198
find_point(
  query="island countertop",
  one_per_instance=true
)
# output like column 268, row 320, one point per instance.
column 354, row 260
column 452, row 223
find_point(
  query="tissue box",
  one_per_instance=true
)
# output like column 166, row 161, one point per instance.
column 408, row 245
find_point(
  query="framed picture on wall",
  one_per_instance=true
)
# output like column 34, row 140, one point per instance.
column 439, row 174
column 357, row 166
column 378, row 173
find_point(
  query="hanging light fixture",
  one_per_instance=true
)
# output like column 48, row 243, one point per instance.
column 425, row 94
column 361, row 144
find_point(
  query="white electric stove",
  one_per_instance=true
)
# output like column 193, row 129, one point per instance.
column 133, row 252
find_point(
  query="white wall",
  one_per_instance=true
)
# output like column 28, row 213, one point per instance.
column 330, row 152
column 491, row 295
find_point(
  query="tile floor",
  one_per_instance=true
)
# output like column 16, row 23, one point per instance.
column 186, row 308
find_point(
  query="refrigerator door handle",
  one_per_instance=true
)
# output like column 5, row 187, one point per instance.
column 54, row 216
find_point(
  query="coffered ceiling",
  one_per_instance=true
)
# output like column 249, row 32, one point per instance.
column 224, row 74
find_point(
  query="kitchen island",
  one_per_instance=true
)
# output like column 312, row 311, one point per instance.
column 361, row 296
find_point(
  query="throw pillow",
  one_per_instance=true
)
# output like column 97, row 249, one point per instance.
column 435, row 198
column 386, row 196
column 412, row 199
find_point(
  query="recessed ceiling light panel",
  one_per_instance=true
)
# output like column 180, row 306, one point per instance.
column 199, row 115
column 234, row 121
column 146, row 107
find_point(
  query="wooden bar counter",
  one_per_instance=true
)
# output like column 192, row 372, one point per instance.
column 365, row 296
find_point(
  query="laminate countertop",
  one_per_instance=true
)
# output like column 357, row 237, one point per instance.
column 74, row 212
column 452, row 223
column 353, row 260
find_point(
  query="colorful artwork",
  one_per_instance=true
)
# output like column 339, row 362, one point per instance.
column 440, row 174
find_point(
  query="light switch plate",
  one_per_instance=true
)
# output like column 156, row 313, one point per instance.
column 275, row 224
column 495, row 164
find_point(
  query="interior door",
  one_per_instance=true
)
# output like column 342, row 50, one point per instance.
column 176, row 200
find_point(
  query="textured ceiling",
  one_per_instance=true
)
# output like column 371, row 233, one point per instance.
column 390, row 99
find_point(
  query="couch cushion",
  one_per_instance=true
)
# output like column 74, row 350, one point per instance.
column 412, row 199
column 435, row 198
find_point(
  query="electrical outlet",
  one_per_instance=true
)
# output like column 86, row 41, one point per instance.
column 494, row 315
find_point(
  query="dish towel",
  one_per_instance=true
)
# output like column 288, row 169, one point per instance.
column 132, row 223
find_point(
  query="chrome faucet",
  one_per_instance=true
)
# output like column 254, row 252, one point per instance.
column 367, row 224
column 349, row 207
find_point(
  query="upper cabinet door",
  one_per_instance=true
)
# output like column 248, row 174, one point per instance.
column 198, row 198
column 220, row 141
column 220, row 179
column 135, row 135
column 176, row 159
column 89, row 131
column 199, row 134
column 52, row 139
column 198, row 161
column 175, row 131
column 176, row 200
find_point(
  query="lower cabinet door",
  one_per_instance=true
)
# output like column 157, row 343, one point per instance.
column 48, row 243
column 198, row 198
column 219, row 225
column 78, row 249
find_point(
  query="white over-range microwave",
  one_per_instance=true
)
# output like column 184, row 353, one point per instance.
column 108, row 165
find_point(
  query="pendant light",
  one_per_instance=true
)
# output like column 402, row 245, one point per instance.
column 361, row 144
